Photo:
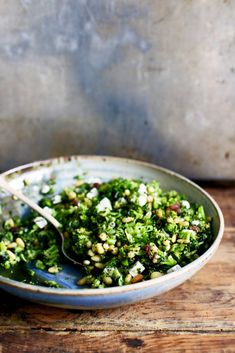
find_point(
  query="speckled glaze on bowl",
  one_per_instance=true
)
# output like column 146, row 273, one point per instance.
column 64, row 169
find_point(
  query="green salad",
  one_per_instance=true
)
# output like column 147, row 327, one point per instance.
column 122, row 231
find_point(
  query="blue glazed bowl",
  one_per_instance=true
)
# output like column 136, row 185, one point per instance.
column 105, row 168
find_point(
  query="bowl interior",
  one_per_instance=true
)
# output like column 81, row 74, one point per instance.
column 65, row 169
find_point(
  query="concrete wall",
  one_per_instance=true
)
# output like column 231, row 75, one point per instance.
column 151, row 79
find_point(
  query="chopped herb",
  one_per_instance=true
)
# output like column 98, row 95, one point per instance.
column 123, row 231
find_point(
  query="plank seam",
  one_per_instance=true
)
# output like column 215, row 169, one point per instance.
column 84, row 331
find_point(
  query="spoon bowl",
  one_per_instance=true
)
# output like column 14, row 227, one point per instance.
column 52, row 220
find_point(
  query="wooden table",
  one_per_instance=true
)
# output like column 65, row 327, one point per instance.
column 198, row 316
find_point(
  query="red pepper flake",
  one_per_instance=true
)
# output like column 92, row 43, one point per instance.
column 195, row 228
column 15, row 229
column 147, row 249
column 74, row 202
column 175, row 207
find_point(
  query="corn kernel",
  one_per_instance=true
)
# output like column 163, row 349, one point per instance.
column 90, row 253
column 20, row 243
column 127, row 219
column 127, row 192
column 71, row 195
column 128, row 279
column 82, row 281
column 53, row 269
column 86, row 262
column 89, row 244
column 156, row 274
column 150, row 189
column 99, row 265
column 107, row 280
column 150, row 198
column 12, row 245
column 103, row 236
column 96, row 258
column 106, row 246
column 166, row 242
column 115, row 251
column 99, row 248
column 11, row 255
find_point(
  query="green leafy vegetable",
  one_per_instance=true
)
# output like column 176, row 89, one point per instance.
column 123, row 231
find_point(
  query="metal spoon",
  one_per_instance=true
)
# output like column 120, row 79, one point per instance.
column 6, row 186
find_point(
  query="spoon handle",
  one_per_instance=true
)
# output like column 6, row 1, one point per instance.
column 6, row 186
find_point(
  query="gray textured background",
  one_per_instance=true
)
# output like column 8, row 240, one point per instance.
column 151, row 79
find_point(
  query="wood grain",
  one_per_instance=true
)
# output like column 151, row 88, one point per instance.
column 206, row 301
column 74, row 342
column 198, row 316
column 226, row 199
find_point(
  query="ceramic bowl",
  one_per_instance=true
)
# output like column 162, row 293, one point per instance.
column 105, row 168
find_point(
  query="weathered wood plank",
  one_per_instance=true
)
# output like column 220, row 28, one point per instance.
column 93, row 342
column 226, row 200
column 204, row 303
column 198, row 316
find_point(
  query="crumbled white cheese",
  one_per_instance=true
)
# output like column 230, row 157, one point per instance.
column 108, row 271
column 122, row 200
column 45, row 189
column 48, row 209
column 104, row 204
column 56, row 199
column 174, row 268
column 185, row 203
column 93, row 180
column 188, row 232
column 142, row 189
column 142, row 199
column 92, row 193
column 195, row 222
column 40, row 221
column 129, row 237
column 137, row 268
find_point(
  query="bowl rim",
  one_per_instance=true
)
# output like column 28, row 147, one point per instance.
column 88, row 292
